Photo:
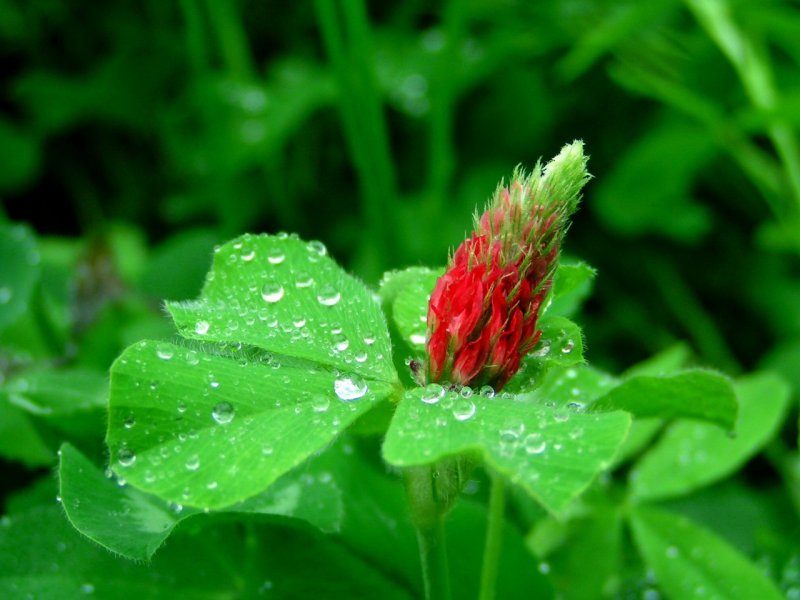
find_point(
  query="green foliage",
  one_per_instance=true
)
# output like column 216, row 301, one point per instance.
column 690, row 562
column 286, row 296
column 21, row 263
column 692, row 394
column 211, row 430
column 692, row 454
column 552, row 453
column 205, row 449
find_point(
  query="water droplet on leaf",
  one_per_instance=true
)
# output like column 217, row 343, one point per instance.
column 317, row 247
column 534, row 444
column 418, row 339
column 201, row 327
column 126, row 457
column 275, row 257
column 272, row 292
column 328, row 296
column 223, row 413
column 304, row 280
column 349, row 387
column 320, row 403
column 464, row 409
column 340, row 343
column 432, row 394
column 487, row 391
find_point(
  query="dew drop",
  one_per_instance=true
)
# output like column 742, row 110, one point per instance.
column 248, row 255
column 369, row 340
column 568, row 346
column 272, row 292
column 320, row 403
column 266, row 450
column 534, row 444
column 509, row 441
column 466, row 392
column 304, row 280
column 223, row 413
column 299, row 322
column 544, row 349
column 487, row 391
column 192, row 358
column 164, row 352
column 464, row 409
column 317, row 247
column 129, row 423
column 126, row 457
column 361, row 357
column 328, row 296
column 432, row 394
column 418, row 339
column 201, row 327
column 275, row 257
column 340, row 343
column 193, row 463
column 349, row 387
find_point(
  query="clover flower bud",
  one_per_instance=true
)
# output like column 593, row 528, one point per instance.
column 483, row 311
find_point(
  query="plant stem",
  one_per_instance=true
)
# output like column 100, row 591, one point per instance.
column 346, row 36
column 431, row 491
column 494, row 538
column 195, row 34
column 692, row 315
column 751, row 63
column 231, row 38
column 443, row 94
column 433, row 555
column 787, row 464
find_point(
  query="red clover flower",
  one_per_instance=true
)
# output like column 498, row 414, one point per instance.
column 483, row 312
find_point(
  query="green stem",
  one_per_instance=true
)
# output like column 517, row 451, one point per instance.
column 231, row 38
column 433, row 555
column 787, row 464
column 494, row 538
column 751, row 63
column 443, row 92
column 431, row 491
column 50, row 335
column 195, row 34
column 345, row 34
column 692, row 315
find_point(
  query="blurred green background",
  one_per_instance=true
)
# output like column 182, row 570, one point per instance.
column 134, row 136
